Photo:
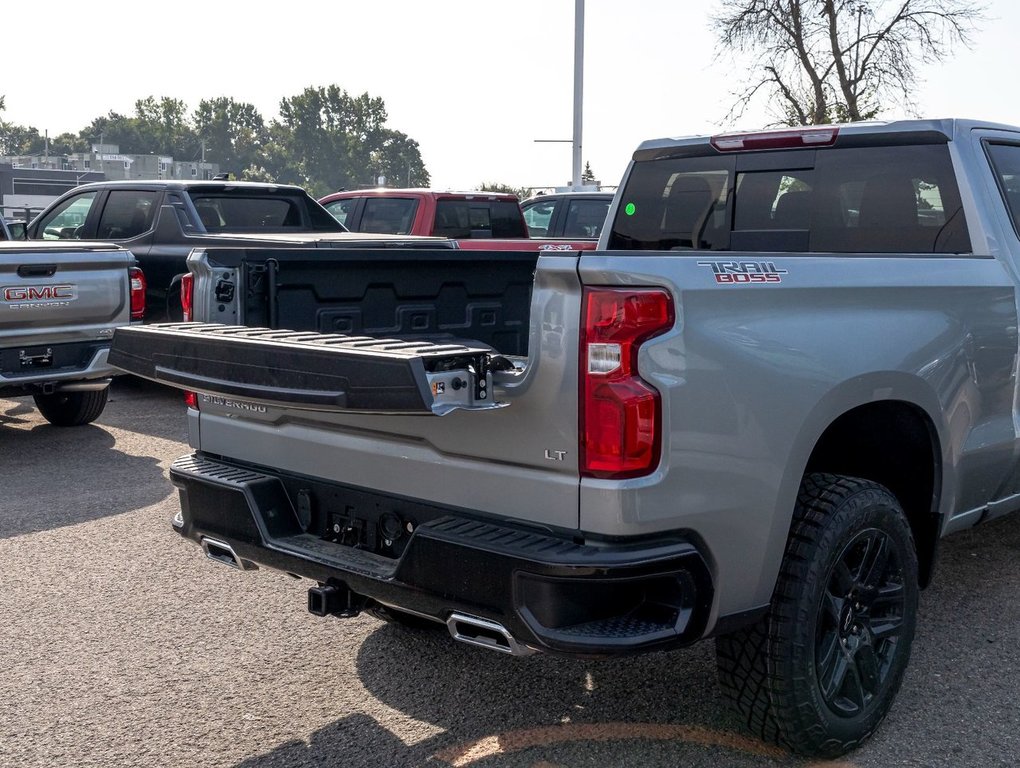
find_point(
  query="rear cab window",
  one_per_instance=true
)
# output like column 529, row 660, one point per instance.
column 872, row 199
column 467, row 219
column 236, row 213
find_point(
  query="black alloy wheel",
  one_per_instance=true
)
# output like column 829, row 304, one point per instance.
column 860, row 622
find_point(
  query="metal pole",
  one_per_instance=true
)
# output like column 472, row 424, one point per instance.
column 578, row 87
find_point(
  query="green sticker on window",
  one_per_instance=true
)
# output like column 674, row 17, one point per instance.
column 629, row 210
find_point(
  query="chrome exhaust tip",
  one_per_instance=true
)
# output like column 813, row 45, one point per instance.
column 222, row 552
column 485, row 633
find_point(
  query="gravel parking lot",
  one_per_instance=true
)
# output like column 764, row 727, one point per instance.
column 121, row 646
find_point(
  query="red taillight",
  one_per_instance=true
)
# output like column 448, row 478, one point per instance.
column 822, row 136
column 191, row 399
column 137, row 278
column 620, row 418
column 187, row 293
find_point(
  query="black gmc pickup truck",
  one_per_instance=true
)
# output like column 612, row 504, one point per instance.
column 128, row 213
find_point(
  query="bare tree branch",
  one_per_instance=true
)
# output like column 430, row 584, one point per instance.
column 827, row 60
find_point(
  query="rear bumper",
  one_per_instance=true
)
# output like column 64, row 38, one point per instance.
column 69, row 364
column 549, row 591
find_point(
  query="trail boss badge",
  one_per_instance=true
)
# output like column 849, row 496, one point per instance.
column 744, row 272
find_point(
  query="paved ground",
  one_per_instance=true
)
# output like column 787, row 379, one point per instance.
column 121, row 646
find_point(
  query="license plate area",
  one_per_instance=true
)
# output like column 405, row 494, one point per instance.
column 381, row 524
column 35, row 357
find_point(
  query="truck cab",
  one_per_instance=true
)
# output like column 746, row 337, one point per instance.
column 127, row 213
column 476, row 220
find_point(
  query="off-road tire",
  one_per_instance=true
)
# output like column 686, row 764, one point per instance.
column 770, row 672
column 72, row 409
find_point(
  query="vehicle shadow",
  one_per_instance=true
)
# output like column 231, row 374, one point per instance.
column 133, row 402
column 653, row 710
column 58, row 476
column 666, row 709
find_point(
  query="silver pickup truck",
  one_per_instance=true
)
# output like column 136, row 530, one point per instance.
column 59, row 306
column 788, row 371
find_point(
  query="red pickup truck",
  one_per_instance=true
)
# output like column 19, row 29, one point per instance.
column 489, row 221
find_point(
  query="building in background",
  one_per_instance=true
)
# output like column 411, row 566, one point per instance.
column 28, row 183
column 26, row 189
column 107, row 159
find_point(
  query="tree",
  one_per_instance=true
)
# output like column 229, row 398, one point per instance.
column 18, row 139
column 588, row 176
column 522, row 192
column 163, row 126
column 323, row 140
column 824, row 61
column 398, row 159
column 115, row 128
column 327, row 139
column 234, row 133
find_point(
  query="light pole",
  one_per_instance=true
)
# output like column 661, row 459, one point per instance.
column 578, row 88
column 575, row 176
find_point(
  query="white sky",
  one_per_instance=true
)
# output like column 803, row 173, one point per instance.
column 475, row 82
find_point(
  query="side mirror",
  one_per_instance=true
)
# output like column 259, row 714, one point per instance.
column 19, row 230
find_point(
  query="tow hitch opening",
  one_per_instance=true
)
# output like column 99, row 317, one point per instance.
column 334, row 600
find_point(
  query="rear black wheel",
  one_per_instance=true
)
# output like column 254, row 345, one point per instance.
column 72, row 409
column 820, row 671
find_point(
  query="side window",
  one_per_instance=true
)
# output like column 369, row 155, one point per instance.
column 585, row 218
column 887, row 200
column 1006, row 164
column 537, row 216
column 342, row 209
column 127, row 213
column 388, row 216
column 66, row 221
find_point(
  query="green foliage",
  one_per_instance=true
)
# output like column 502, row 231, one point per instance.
column 588, row 175
column 327, row 139
column 234, row 134
column 324, row 139
column 521, row 192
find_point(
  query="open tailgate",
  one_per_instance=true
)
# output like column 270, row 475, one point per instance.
column 312, row 371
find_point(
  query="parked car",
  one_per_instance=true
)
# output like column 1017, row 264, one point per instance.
column 476, row 220
column 59, row 306
column 574, row 215
column 13, row 229
column 126, row 213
